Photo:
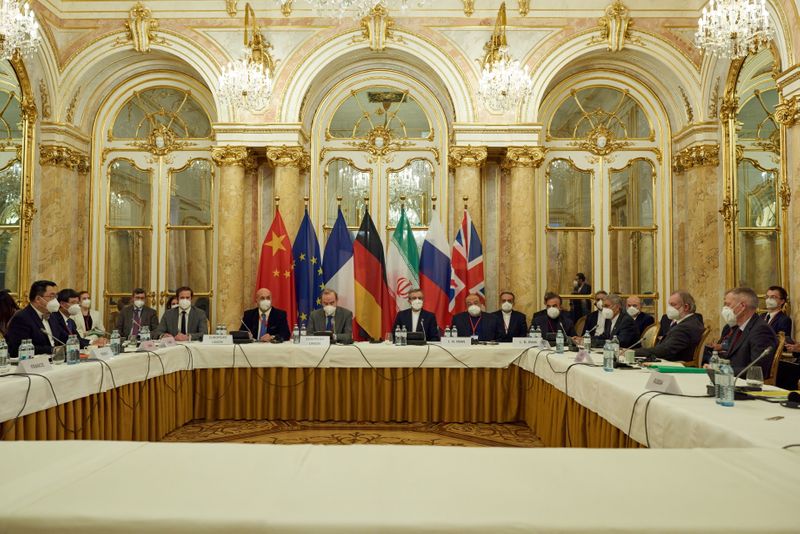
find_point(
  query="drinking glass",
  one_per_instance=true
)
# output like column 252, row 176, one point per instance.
column 755, row 376
column 388, row 338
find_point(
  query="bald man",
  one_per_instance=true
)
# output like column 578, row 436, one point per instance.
column 642, row 319
column 264, row 322
column 476, row 323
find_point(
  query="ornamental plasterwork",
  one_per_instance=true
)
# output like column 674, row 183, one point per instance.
column 713, row 106
column 379, row 143
column 161, row 141
column 44, row 96
column 70, row 114
column 524, row 7
column 288, row 156
column 523, row 156
column 600, row 141
column 231, row 7
column 696, row 156
column 28, row 109
column 63, row 156
column 140, row 29
column 377, row 27
column 687, row 105
column 728, row 107
column 469, row 7
column 785, row 194
column 787, row 113
column 225, row 156
column 615, row 28
column 728, row 210
column 467, row 156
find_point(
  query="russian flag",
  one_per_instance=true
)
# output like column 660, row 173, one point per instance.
column 434, row 271
column 337, row 263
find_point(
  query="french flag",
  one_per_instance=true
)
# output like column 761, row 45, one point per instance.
column 434, row 271
column 467, row 266
column 337, row 263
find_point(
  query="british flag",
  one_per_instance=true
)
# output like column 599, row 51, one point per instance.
column 467, row 265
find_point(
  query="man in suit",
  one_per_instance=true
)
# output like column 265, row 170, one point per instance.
column 332, row 318
column 751, row 335
column 513, row 323
column 32, row 321
column 642, row 320
column 681, row 340
column 133, row 317
column 186, row 322
column 476, row 323
column 62, row 323
column 591, row 319
column 615, row 323
column 775, row 317
column 417, row 319
column 264, row 322
column 580, row 307
column 551, row 319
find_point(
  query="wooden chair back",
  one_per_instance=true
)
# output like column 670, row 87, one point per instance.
column 698, row 351
column 649, row 336
column 773, row 373
column 580, row 325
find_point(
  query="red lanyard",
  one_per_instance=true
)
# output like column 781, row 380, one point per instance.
column 475, row 325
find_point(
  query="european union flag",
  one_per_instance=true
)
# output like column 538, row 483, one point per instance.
column 307, row 270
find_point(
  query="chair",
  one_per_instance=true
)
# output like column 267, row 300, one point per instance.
column 649, row 336
column 698, row 351
column 773, row 373
column 579, row 325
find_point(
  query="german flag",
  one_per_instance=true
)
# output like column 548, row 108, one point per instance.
column 375, row 308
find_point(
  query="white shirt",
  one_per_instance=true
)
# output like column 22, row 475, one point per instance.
column 601, row 324
column 613, row 322
column 506, row 319
column 683, row 318
column 46, row 325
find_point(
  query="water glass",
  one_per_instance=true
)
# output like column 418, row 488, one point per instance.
column 388, row 338
column 59, row 355
column 755, row 376
column 222, row 330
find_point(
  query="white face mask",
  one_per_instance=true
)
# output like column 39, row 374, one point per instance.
column 474, row 310
column 174, row 306
column 673, row 314
column 74, row 309
column 772, row 303
column 185, row 304
column 575, row 283
column 329, row 310
column 85, row 303
column 728, row 315
column 265, row 304
column 507, row 306
column 52, row 305
column 633, row 311
column 599, row 304
column 138, row 303
column 553, row 313
column 416, row 304
column 608, row 313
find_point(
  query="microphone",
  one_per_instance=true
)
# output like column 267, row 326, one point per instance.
column 248, row 329
column 568, row 339
column 422, row 325
column 764, row 353
column 638, row 342
column 52, row 337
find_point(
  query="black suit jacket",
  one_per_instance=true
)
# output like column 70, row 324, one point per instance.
column 277, row 325
column 550, row 326
column 665, row 323
column 426, row 323
column 26, row 325
column 780, row 323
column 488, row 329
column 625, row 330
column 756, row 337
column 680, row 342
column 580, row 307
column 643, row 320
column 61, row 330
column 517, row 325
column 591, row 322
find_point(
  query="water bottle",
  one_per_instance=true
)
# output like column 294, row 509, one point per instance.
column 4, row 366
column 73, row 350
column 713, row 364
column 446, row 331
column 144, row 333
column 403, row 337
column 725, row 384
column 608, row 356
column 26, row 350
column 453, row 331
column 296, row 334
column 587, row 341
column 116, row 342
column 615, row 346
column 532, row 331
column 397, row 336
column 303, row 330
column 559, row 342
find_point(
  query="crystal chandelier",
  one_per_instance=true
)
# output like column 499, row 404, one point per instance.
column 359, row 8
column 504, row 84
column 733, row 28
column 19, row 31
column 246, row 83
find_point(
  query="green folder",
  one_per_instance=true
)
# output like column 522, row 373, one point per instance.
column 677, row 369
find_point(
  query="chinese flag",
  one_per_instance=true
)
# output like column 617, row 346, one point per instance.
column 276, row 269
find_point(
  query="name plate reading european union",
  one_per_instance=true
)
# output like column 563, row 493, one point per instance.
column 315, row 341
column 456, row 341
column 37, row 364
column 101, row 353
column 527, row 342
column 217, row 339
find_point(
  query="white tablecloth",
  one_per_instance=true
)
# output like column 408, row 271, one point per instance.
column 115, row 487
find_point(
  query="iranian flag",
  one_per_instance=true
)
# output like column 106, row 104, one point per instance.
column 402, row 265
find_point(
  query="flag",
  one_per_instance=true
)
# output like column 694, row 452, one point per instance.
column 375, row 308
column 402, row 263
column 307, row 270
column 337, row 264
column 434, row 271
column 276, row 268
column 467, row 262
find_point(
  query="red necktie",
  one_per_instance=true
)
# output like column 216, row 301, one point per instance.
column 735, row 339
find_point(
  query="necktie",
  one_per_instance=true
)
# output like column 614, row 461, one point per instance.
column 329, row 323
column 262, row 329
column 736, row 337
column 71, row 327
column 183, row 322
column 137, row 321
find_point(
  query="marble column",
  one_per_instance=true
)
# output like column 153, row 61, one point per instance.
column 521, row 163
column 289, row 162
column 467, row 162
column 62, row 244
column 231, row 161
column 787, row 113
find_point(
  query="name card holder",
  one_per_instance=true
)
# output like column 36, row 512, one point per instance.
column 101, row 353
column 37, row 364
column 150, row 345
column 168, row 341
column 217, row 339
column 523, row 342
column 663, row 382
column 315, row 341
column 456, row 341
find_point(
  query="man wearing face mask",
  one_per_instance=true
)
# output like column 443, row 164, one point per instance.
column 476, row 323
column 264, row 322
column 642, row 320
column 680, row 342
column 775, row 317
column 580, row 307
column 133, row 317
column 615, row 323
column 332, row 318
column 87, row 319
column 552, row 320
column 591, row 319
column 186, row 322
column 513, row 323
column 61, row 323
column 33, row 321
column 416, row 319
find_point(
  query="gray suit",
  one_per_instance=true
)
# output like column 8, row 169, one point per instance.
column 342, row 323
column 125, row 320
column 196, row 323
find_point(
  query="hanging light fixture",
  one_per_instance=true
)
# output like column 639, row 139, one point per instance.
column 733, row 29
column 357, row 8
column 246, row 83
column 19, row 31
column 504, row 84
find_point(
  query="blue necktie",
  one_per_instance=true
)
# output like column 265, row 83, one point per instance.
column 262, row 330
column 329, row 324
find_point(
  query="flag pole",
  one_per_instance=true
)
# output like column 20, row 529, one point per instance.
column 402, row 203
column 305, row 202
column 465, row 202
column 433, row 202
column 277, row 201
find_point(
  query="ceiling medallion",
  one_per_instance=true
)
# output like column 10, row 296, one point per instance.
column 600, row 141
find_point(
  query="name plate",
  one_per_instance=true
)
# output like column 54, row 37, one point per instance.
column 168, row 341
column 663, row 382
column 101, row 353
column 217, row 339
column 37, row 364
column 523, row 342
column 315, row 341
column 456, row 341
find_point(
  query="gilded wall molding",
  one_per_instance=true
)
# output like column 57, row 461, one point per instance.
column 713, row 105
column 44, row 97
column 523, row 156
column 787, row 113
column 231, row 7
column 467, row 156
column 687, row 105
column 615, row 28
column 288, row 156
column 524, row 7
column 140, row 29
column 469, row 7
column 226, row 156
column 64, row 156
column 728, row 107
column 70, row 113
column 377, row 27
column 696, row 156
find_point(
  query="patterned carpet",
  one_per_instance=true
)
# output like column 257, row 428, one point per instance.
column 316, row 433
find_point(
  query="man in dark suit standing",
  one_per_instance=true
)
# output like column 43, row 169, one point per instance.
column 264, row 322
column 513, row 323
column 134, row 316
column 476, row 323
column 591, row 319
column 417, row 319
column 580, row 307
column 642, row 319
column 551, row 319
column 751, row 334
column 615, row 323
column 32, row 321
column 775, row 317
column 681, row 340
